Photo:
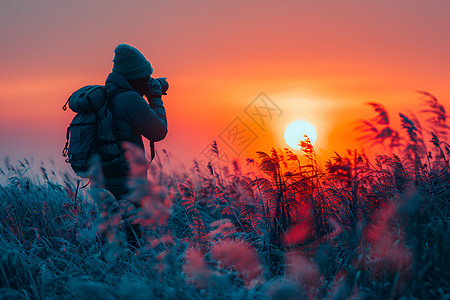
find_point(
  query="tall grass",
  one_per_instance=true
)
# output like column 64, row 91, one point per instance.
column 360, row 228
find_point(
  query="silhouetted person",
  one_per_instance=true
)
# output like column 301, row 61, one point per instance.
column 133, row 116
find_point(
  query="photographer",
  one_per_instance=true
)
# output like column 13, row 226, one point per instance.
column 133, row 116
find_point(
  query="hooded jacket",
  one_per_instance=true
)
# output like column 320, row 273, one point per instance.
column 133, row 117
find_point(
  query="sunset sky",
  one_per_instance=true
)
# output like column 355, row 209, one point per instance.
column 318, row 61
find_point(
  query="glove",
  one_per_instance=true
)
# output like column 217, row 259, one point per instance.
column 154, row 89
column 164, row 84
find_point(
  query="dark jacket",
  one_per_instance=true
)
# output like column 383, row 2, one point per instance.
column 133, row 116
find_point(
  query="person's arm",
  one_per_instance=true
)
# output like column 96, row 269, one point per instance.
column 149, row 119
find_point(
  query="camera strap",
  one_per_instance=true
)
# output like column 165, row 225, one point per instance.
column 152, row 150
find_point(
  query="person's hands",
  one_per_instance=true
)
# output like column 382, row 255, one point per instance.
column 154, row 89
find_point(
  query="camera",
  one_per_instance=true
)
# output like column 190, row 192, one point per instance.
column 164, row 84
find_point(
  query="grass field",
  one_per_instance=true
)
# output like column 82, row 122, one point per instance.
column 358, row 228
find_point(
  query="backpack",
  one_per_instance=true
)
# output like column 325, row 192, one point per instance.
column 91, row 132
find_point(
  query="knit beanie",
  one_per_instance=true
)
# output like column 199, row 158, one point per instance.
column 130, row 63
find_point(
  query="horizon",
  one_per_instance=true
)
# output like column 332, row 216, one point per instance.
column 316, row 62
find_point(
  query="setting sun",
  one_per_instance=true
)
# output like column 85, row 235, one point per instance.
column 296, row 131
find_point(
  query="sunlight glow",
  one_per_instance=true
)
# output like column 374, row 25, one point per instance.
column 295, row 132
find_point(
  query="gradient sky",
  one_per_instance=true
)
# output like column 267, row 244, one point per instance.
column 318, row 61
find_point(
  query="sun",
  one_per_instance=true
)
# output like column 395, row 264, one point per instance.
column 296, row 131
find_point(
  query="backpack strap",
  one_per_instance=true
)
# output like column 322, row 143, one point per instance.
column 65, row 104
column 111, row 96
column 65, row 151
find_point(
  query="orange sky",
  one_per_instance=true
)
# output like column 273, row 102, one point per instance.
column 316, row 60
